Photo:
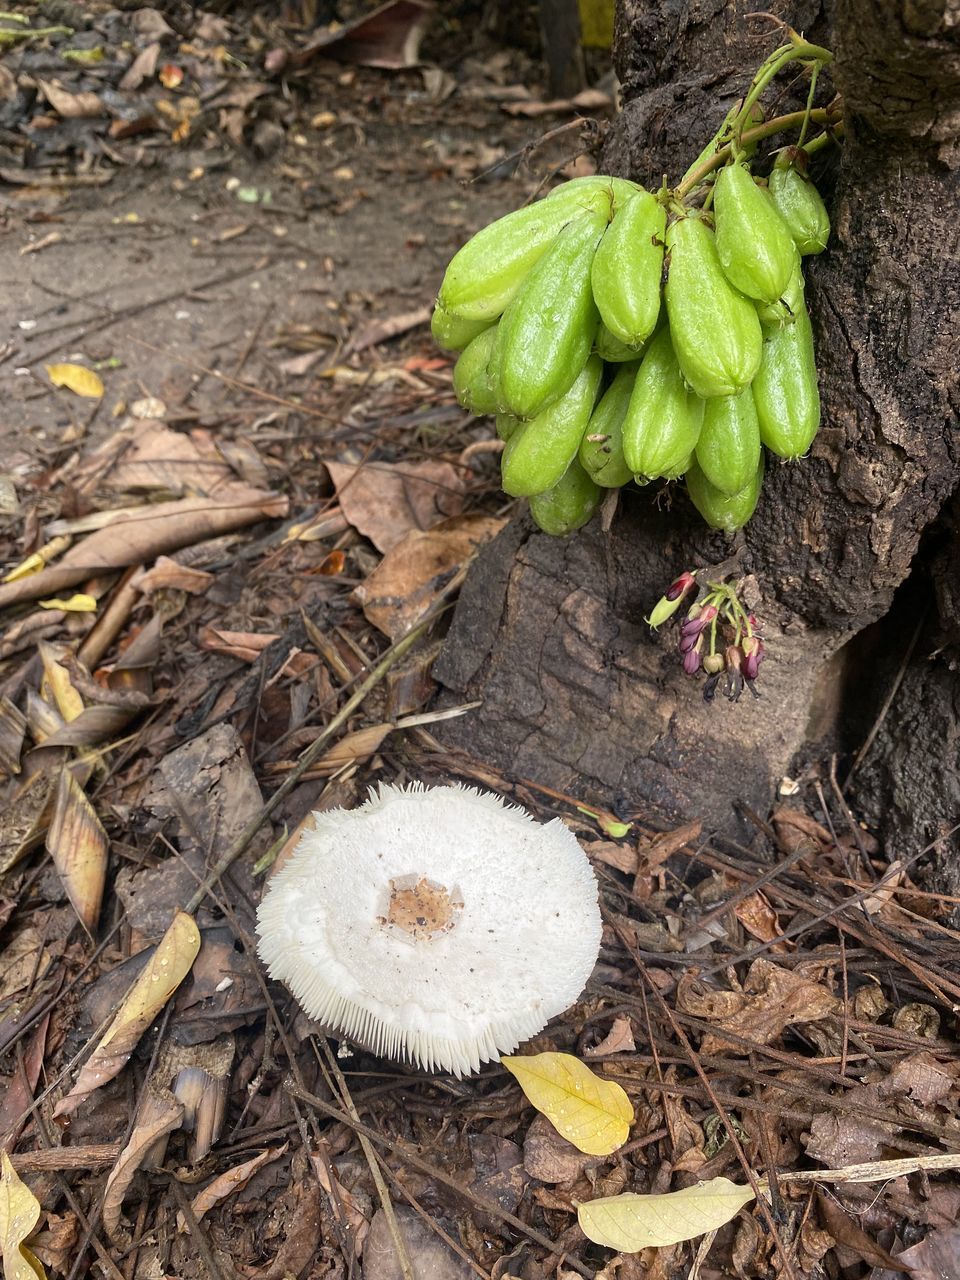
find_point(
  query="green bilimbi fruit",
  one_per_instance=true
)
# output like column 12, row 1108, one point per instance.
column 569, row 504
column 725, row 511
column 728, row 451
column 486, row 273
column 798, row 202
column 785, row 389
column 601, row 449
column 715, row 330
column 538, row 452
column 627, row 267
column 609, row 347
column 473, row 380
column 774, row 315
column 754, row 243
column 547, row 332
column 506, row 425
column 619, row 189
column 452, row 332
column 663, row 419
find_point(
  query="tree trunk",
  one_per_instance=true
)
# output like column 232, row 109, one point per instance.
column 577, row 691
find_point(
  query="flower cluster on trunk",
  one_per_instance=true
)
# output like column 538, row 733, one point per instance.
column 718, row 635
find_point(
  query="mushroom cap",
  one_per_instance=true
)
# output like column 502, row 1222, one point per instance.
column 440, row 926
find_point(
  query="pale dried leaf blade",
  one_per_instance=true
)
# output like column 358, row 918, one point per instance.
column 57, row 682
column 76, row 378
column 629, row 1223
column 158, row 980
column 594, row 1114
column 78, row 845
column 130, row 1159
column 228, row 1182
column 19, row 1215
column 140, row 534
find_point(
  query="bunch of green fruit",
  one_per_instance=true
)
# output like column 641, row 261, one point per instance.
column 619, row 334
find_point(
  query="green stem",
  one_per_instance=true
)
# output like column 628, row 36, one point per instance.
column 813, row 88
column 694, row 176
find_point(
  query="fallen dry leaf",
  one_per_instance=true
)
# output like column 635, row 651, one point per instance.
column 549, row 1157
column 156, row 457
column 758, row 917
column 19, row 1215
column 772, row 998
column 343, row 1203
column 619, row 1039
column 160, row 977
column 245, row 645
column 141, row 68
column 415, row 570
column 592, row 1113
column 78, row 845
column 631, row 1222
column 168, row 575
column 145, row 533
column 76, row 378
column 72, row 106
column 142, row 1140
column 230, row 1181
column 385, row 500
column 936, row 1257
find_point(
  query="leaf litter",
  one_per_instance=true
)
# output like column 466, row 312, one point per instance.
column 776, row 1020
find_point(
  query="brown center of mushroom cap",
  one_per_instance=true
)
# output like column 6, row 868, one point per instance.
column 422, row 908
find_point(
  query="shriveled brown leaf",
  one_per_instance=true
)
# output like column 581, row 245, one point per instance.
column 413, row 572
column 621, row 856
column 430, row 1257
column 230, row 1181
column 385, row 500
column 25, row 960
column 93, row 726
column 388, row 327
column 245, row 645
column 13, row 726
column 142, row 1139
column 54, row 1244
column 586, row 100
column 141, row 68
column 344, row 1205
column 847, row 1232
column 146, row 533
column 772, row 998
column 26, row 818
column 158, row 458
column 936, row 1257
column 167, row 575
column 160, row 977
column 78, row 845
column 72, row 106
column 388, row 37
column 56, row 685
column 619, row 1039
column 758, row 917
column 549, row 1157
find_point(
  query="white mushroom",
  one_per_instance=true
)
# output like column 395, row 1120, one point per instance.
column 438, row 926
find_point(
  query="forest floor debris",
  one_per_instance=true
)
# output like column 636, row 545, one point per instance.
column 226, row 580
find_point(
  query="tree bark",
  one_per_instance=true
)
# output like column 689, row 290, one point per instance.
column 577, row 692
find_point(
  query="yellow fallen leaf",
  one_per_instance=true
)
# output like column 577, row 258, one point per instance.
column 161, row 975
column 629, row 1223
column 77, row 603
column 76, row 378
column 56, row 684
column 78, row 845
column 594, row 1114
column 19, row 1215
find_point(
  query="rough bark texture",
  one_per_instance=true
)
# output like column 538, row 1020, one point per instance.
column 577, row 691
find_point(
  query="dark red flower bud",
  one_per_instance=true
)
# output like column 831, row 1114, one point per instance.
column 679, row 588
column 752, row 657
column 691, row 661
